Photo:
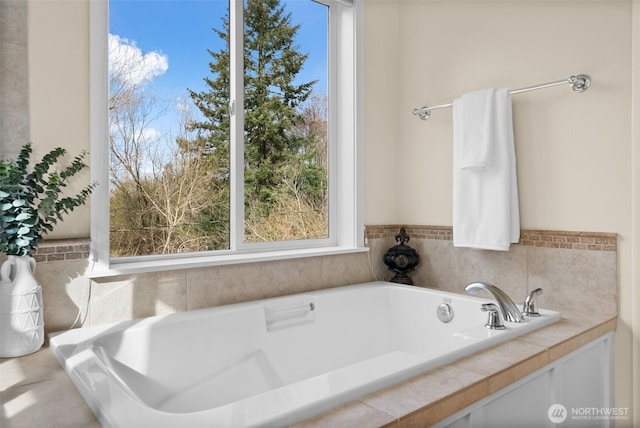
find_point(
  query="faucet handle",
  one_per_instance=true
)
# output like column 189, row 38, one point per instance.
column 530, row 307
column 494, row 322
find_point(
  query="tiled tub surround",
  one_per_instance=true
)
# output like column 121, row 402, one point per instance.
column 576, row 270
column 579, row 282
column 70, row 296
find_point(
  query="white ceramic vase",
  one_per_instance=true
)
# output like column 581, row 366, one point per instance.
column 21, row 316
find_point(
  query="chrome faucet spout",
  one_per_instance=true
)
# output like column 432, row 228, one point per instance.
column 508, row 308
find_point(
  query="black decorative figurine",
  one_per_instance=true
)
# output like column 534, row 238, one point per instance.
column 401, row 259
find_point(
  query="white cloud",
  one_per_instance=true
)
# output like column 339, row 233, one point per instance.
column 150, row 135
column 183, row 107
column 129, row 65
column 145, row 134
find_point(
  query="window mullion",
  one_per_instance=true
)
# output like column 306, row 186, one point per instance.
column 236, row 110
column 99, row 136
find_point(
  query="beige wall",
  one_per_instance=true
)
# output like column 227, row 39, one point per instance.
column 59, row 90
column 573, row 150
column 633, row 290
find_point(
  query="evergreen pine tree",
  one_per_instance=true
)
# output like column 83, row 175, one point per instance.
column 272, row 99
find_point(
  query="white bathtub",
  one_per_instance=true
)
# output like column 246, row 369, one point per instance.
column 274, row 361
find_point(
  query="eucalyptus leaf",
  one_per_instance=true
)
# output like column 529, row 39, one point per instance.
column 23, row 216
column 30, row 198
column 21, row 242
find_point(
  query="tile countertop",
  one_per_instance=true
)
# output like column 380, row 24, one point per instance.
column 35, row 391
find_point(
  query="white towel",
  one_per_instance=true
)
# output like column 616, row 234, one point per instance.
column 485, row 188
column 473, row 127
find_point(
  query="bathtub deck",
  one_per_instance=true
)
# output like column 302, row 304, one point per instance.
column 37, row 392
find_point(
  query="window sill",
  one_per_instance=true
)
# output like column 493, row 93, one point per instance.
column 198, row 261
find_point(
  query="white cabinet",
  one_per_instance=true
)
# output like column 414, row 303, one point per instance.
column 584, row 385
column 574, row 391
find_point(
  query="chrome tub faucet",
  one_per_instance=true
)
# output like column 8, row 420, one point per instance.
column 509, row 310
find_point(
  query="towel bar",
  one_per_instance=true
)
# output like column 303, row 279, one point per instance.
column 579, row 83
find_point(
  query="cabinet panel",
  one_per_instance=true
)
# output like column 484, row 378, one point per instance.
column 526, row 405
column 580, row 381
column 582, row 386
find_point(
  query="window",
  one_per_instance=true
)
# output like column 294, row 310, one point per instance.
column 265, row 160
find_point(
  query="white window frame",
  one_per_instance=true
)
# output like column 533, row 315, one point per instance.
column 346, row 219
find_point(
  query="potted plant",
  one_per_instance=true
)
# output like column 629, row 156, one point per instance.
column 31, row 204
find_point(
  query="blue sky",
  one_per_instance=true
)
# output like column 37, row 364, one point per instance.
column 181, row 32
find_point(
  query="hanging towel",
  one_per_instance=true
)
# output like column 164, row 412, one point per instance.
column 485, row 188
column 474, row 117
